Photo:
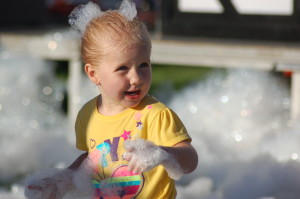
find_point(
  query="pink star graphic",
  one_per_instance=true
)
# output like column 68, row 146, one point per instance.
column 126, row 135
column 149, row 107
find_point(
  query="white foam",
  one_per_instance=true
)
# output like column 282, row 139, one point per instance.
column 82, row 176
column 234, row 121
column 81, row 16
column 67, row 183
column 146, row 155
column 244, row 137
column 198, row 188
column 128, row 9
column 51, row 183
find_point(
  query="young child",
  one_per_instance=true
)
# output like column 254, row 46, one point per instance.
column 134, row 145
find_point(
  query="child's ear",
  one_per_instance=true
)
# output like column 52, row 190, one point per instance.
column 90, row 70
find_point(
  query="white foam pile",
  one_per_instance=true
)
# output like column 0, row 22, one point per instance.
column 248, row 146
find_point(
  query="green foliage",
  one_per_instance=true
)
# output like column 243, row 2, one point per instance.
column 179, row 76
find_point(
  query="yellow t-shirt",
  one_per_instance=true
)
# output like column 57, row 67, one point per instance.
column 150, row 120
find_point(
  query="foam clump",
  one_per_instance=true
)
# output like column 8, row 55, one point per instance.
column 56, row 183
column 128, row 10
column 80, row 17
column 49, row 183
column 147, row 155
column 198, row 188
column 173, row 168
column 82, row 176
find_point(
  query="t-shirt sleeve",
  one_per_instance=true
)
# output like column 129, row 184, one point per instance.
column 80, row 133
column 167, row 129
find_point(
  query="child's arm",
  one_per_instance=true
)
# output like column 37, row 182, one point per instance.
column 76, row 164
column 144, row 155
column 185, row 154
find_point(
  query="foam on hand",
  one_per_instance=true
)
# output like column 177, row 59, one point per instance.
column 173, row 168
column 147, row 155
column 60, row 182
column 50, row 183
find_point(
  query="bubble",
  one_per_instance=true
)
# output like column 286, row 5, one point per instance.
column 15, row 188
column 193, row 108
column 23, row 79
column 26, row 101
column 244, row 112
column 34, row 124
column 47, row 90
column 5, row 55
column 294, row 156
column 52, row 45
column 238, row 137
column 224, row 99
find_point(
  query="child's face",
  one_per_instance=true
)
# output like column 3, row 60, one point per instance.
column 124, row 76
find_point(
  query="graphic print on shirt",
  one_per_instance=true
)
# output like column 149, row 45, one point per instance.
column 112, row 182
column 121, row 183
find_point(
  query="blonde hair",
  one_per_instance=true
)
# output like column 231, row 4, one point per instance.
column 109, row 31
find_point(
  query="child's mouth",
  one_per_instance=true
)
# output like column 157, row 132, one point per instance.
column 132, row 94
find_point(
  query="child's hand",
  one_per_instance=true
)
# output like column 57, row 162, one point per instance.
column 143, row 155
column 49, row 184
column 45, row 188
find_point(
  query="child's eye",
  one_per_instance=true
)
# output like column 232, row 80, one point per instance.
column 122, row 68
column 144, row 65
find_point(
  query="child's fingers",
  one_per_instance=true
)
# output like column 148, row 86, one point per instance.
column 35, row 187
column 137, row 166
column 44, row 185
column 137, row 170
column 127, row 156
column 53, row 195
column 130, row 149
column 133, row 164
column 141, row 168
column 144, row 169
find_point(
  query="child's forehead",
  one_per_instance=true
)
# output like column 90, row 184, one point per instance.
column 123, row 44
column 131, row 50
column 127, row 54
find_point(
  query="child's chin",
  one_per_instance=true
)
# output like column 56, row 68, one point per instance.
column 133, row 105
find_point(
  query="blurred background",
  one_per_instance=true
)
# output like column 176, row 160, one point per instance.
column 229, row 68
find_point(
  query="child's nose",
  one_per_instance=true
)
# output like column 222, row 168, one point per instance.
column 135, row 77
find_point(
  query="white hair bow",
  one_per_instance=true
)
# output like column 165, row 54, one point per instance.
column 81, row 16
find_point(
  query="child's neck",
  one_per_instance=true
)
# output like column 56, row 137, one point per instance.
column 108, row 109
